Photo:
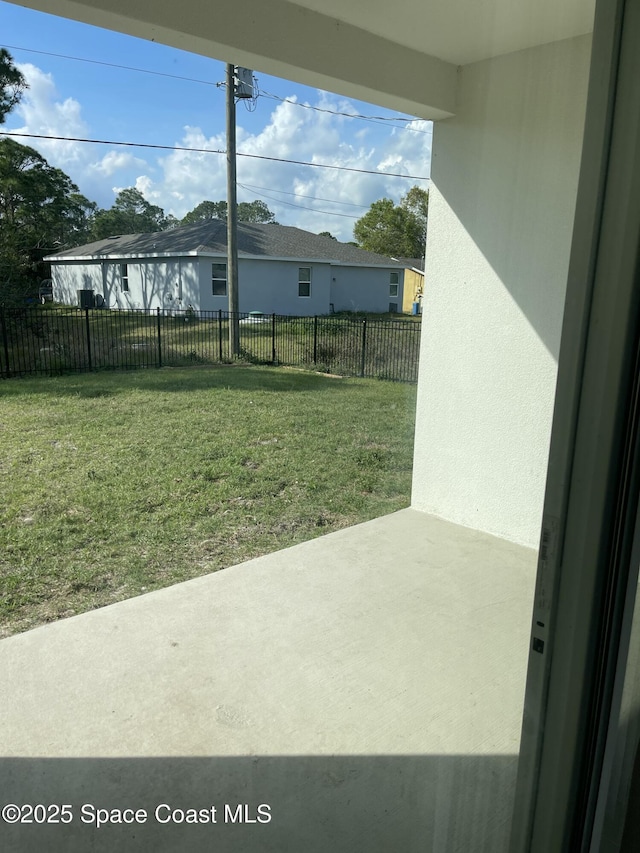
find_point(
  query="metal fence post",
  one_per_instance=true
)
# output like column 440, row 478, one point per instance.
column 273, row 338
column 159, row 339
column 388, row 350
column 315, row 339
column 5, row 342
column 86, row 318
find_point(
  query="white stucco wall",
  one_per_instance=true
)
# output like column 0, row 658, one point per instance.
column 170, row 283
column 501, row 206
column 69, row 278
column 270, row 286
column 358, row 289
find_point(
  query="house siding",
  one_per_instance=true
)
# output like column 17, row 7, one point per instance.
column 270, row 287
column 364, row 288
column 413, row 289
column 70, row 277
column 267, row 285
column 167, row 284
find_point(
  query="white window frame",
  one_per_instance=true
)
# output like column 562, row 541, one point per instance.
column 394, row 284
column 305, row 282
column 124, row 277
column 217, row 279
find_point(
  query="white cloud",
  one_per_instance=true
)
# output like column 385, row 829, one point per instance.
column 189, row 177
column 115, row 161
column 315, row 199
column 43, row 114
column 294, row 133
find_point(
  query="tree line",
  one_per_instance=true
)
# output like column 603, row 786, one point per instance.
column 42, row 211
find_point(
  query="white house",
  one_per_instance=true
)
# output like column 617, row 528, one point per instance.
column 504, row 700
column 281, row 270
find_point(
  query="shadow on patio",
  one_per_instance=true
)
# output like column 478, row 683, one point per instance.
column 366, row 685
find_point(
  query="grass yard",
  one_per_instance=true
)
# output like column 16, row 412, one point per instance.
column 114, row 484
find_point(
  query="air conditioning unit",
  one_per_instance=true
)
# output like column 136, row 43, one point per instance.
column 86, row 299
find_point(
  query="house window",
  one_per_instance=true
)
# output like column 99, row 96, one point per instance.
column 124, row 276
column 394, row 280
column 304, row 281
column 393, row 308
column 219, row 279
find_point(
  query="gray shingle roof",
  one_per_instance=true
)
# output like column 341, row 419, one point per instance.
column 277, row 241
column 412, row 263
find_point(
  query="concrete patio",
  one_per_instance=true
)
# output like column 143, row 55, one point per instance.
column 366, row 685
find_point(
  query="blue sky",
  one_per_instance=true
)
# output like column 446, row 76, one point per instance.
column 71, row 98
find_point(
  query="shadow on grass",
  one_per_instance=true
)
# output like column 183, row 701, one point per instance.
column 166, row 379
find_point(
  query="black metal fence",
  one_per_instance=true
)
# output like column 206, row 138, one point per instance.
column 48, row 341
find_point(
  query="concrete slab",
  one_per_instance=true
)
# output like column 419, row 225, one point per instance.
column 366, row 686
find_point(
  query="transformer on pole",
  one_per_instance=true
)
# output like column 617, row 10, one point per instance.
column 244, row 83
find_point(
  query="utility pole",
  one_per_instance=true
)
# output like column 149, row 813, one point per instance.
column 232, row 217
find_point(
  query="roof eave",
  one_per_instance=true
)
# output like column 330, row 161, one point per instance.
column 121, row 256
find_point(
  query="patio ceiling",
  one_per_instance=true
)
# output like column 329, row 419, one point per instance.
column 461, row 32
column 403, row 55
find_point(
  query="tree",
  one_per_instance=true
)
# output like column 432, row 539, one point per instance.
column 41, row 211
column 255, row 211
column 395, row 230
column 416, row 201
column 78, row 220
column 131, row 214
column 248, row 211
column 205, row 211
column 327, row 234
column 12, row 84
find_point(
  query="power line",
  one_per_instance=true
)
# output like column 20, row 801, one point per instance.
column 261, row 93
column 300, row 195
column 110, row 64
column 211, row 151
column 339, row 168
column 374, row 119
column 302, row 206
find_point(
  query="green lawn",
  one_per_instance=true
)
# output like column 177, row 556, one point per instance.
column 114, row 484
